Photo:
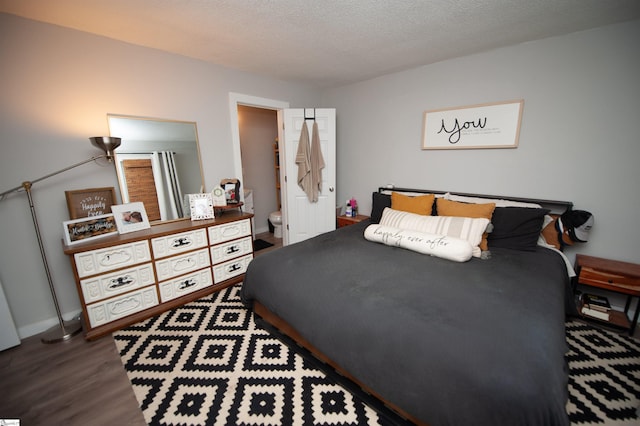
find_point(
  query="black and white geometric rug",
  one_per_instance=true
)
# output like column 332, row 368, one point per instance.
column 208, row 363
column 604, row 376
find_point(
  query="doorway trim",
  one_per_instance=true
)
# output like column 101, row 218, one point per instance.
column 236, row 99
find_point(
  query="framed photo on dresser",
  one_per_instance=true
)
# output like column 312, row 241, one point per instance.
column 130, row 217
column 201, row 206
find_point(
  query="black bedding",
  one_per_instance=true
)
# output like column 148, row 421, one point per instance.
column 474, row 343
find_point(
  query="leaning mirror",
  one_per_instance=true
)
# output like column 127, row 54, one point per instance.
column 158, row 163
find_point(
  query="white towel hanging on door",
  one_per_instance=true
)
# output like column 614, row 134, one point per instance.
column 310, row 162
column 317, row 163
column 303, row 160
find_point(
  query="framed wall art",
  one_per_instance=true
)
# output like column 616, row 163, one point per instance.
column 130, row 217
column 90, row 202
column 89, row 228
column 201, row 206
column 492, row 125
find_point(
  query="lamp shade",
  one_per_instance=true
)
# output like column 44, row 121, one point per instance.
column 106, row 143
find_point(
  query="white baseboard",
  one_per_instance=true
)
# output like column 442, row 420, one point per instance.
column 44, row 325
column 262, row 230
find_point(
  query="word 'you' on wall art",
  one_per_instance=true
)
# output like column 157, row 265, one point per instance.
column 491, row 125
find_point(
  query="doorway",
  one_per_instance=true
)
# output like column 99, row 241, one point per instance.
column 306, row 218
column 237, row 100
column 258, row 135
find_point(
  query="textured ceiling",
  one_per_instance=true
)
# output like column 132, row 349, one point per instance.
column 325, row 42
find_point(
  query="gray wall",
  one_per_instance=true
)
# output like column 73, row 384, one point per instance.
column 578, row 140
column 57, row 87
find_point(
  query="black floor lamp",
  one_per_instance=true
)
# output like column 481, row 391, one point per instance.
column 66, row 329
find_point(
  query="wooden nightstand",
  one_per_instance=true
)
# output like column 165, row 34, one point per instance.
column 615, row 276
column 346, row 220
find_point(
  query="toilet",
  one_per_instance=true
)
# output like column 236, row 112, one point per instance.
column 276, row 220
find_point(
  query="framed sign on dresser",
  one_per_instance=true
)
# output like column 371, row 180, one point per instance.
column 123, row 279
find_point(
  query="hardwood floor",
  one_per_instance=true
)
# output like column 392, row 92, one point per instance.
column 72, row 383
column 69, row 383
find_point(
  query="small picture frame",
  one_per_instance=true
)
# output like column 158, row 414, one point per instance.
column 130, row 217
column 89, row 228
column 231, row 189
column 90, row 202
column 218, row 197
column 201, row 206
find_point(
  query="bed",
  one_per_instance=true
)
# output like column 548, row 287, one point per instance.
column 440, row 341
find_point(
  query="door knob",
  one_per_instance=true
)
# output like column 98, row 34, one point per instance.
column 331, row 189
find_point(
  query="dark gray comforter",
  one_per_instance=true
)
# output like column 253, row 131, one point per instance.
column 474, row 343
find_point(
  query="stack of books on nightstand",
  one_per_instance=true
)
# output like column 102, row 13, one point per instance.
column 595, row 306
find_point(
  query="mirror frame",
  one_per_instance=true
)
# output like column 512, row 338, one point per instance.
column 120, row 177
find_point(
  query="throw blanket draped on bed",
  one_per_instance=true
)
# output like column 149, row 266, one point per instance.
column 474, row 343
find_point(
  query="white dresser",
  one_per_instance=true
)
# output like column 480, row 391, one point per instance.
column 126, row 278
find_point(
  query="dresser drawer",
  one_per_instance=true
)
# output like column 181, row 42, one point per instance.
column 119, row 307
column 179, row 265
column 185, row 284
column 111, row 258
column 179, row 243
column 105, row 286
column 592, row 276
column 230, row 250
column 229, row 231
column 233, row 268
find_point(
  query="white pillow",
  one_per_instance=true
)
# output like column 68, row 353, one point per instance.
column 443, row 246
column 411, row 194
column 499, row 202
column 469, row 229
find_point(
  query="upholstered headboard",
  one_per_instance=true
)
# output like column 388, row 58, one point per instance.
column 555, row 207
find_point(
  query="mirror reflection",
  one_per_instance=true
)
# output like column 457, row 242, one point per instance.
column 157, row 163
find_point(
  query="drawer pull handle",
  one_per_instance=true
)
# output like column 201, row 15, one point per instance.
column 114, row 258
column 123, row 281
column 184, row 264
column 234, row 267
column 233, row 249
column 231, row 231
column 186, row 284
column 181, row 242
column 125, row 305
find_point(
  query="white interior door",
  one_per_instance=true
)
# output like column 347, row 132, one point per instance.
column 302, row 219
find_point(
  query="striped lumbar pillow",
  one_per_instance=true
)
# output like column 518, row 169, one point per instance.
column 470, row 229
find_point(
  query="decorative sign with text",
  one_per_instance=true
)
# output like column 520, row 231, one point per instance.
column 90, row 202
column 89, row 228
column 495, row 125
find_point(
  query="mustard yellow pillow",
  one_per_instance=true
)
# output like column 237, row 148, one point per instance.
column 420, row 204
column 454, row 208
